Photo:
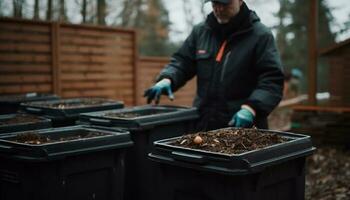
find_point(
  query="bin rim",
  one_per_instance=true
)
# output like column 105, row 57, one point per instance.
column 114, row 139
column 233, row 164
column 178, row 113
column 53, row 113
column 29, row 98
column 24, row 126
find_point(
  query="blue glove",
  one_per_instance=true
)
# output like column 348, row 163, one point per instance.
column 163, row 86
column 243, row 118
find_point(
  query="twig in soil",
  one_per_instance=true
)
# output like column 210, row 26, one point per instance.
column 243, row 145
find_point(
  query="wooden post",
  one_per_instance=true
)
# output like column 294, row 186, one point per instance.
column 136, row 85
column 313, row 45
column 55, row 50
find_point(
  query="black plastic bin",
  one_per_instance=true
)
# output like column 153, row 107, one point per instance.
column 22, row 122
column 272, row 173
column 146, row 125
column 66, row 112
column 11, row 103
column 82, row 162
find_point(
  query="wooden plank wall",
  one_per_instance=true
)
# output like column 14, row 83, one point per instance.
column 78, row 61
column 25, row 57
column 69, row 60
column 339, row 77
column 148, row 69
column 97, row 62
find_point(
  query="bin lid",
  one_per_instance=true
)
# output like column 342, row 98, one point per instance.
column 57, row 143
column 141, row 117
column 67, row 108
column 28, row 97
column 248, row 162
column 22, row 122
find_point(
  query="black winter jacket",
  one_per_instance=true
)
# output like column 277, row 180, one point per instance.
column 249, row 72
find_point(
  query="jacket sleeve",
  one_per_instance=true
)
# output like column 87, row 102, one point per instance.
column 269, row 91
column 182, row 66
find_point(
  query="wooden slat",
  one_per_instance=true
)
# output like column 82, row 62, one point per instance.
column 68, row 40
column 94, row 59
column 321, row 109
column 24, row 68
column 103, row 28
column 94, row 33
column 24, row 47
column 34, row 58
column 20, row 27
column 16, row 89
column 88, row 50
column 90, row 84
column 72, row 67
column 26, row 78
column 95, row 76
column 88, row 93
column 21, row 37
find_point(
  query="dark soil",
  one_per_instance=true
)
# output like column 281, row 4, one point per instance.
column 328, row 174
column 19, row 119
column 35, row 138
column 135, row 114
column 230, row 140
column 66, row 104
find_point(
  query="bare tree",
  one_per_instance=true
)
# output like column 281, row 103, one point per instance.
column 36, row 10
column 18, row 8
column 101, row 12
column 187, row 7
column 62, row 11
column 49, row 10
column 139, row 14
column 126, row 12
column 83, row 11
column 2, row 8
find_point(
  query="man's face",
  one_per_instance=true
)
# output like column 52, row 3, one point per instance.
column 224, row 12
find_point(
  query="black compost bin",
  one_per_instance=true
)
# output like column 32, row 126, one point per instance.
column 65, row 112
column 272, row 173
column 71, row 163
column 146, row 125
column 22, row 122
column 11, row 103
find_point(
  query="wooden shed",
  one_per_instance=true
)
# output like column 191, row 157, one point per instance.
column 338, row 56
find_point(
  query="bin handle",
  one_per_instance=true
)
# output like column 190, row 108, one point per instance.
column 188, row 157
column 34, row 110
column 100, row 121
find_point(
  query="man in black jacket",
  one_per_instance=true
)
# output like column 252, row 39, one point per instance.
column 238, row 68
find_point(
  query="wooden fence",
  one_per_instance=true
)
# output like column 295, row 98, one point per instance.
column 69, row 60
column 77, row 61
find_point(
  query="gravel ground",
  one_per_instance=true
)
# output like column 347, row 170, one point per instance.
column 328, row 174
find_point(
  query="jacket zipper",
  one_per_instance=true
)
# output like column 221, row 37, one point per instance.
column 224, row 66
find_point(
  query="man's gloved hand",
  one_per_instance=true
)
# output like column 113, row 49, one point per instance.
column 155, row 91
column 243, row 118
